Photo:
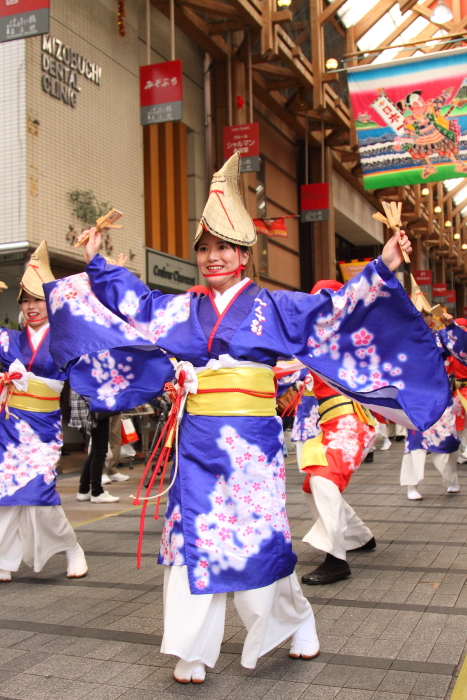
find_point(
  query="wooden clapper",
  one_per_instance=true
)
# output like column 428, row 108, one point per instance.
column 103, row 222
column 393, row 211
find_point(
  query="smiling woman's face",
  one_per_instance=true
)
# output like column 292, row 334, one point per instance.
column 217, row 257
column 34, row 310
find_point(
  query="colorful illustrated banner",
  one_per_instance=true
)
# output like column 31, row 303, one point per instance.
column 411, row 119
column 161, row 92
column 244, row 139
column 20, row 19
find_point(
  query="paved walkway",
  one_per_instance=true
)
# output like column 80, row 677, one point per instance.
column 396, row 630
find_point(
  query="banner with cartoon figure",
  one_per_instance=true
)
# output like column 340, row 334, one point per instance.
column 411, row 119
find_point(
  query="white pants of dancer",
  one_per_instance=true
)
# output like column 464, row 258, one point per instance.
column 396, row 430
column 33, row 534
column 300, row 444
column 413, row 467
column 337, row 528
column 194, row 624
column 462, row 435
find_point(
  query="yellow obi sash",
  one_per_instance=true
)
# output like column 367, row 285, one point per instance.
column 308, row 393
column 313, row 450
column 234, row 391
column 39, row 398
column 340, row 406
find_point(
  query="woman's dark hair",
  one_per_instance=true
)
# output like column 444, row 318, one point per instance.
column 243, row 248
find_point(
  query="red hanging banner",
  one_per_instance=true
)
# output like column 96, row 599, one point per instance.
column 161, row 98
column 243, row 139
column 20, row 19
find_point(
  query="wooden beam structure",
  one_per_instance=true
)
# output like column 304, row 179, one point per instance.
column 289, row 77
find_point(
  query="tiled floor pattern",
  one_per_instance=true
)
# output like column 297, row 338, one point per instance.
column 396, row 630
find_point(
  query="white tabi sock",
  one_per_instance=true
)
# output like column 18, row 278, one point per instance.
column 305, row 640
column 186, row 671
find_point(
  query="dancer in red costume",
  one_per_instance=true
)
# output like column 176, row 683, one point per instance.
column 329, row 461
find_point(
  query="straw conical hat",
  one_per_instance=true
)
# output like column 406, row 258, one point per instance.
column 37, row 272
column 225, row 215
column 3, row 286
column 418, row 298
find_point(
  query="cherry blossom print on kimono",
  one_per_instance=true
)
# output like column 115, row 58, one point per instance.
column 226, row 518
column 226, row 515
column 366, row 339
column 442, row 437
column 306, row 422
column 347, row 441
column 30, row 442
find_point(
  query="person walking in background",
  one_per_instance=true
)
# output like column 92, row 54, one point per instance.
column 90, row 484
column 111, row 472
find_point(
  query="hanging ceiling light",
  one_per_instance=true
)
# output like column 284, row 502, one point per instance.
column 284, row 3
column 332, row 64
column 437, row 209
column 448, row 224
column 441, row 14
column 456, row 236
column 425, row 192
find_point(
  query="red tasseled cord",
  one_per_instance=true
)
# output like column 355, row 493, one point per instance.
column 168, row 432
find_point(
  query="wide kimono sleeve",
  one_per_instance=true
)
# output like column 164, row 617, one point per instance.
column 107, row 351
column 9, row 347
column 370, row 343
column 452, row 342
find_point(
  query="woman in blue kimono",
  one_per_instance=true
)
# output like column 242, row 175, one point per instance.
column 33, row 525
column 226, row 529
column 441, row 438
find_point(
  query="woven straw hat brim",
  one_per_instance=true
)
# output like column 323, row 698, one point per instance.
column 37, row 273
column 225, row 215
column 3, row 286
column 419, row 300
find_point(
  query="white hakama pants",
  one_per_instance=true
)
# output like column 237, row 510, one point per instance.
column 413, row 467
column 33, row 534
column 194, row 624
column 337, row 528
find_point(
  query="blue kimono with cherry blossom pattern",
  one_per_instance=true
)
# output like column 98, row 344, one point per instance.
column 225, row 516
column 442, row 437
column 30, row 442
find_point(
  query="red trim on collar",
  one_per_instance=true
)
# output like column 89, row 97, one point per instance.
column 34, row 352
column 219, row 320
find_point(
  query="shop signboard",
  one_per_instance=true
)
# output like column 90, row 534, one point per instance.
column 243, row 139
column 161, row 97
column 314, row 202
column 393, row 102
column 169, row 272
column 424, row 280
column 451, row 300
column 20, row 19
column 439, row 292
column 352, row 268
column 423, row 277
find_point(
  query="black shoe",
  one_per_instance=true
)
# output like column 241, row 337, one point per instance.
column 370, row 457
column 399, row 438
column 330, row 571
column 371, row 544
